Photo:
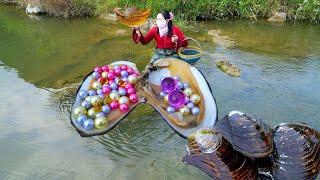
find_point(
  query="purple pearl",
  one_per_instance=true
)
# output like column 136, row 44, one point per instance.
column 88, row 124
column 81, row 119
column 176, row 98
column 92, row 93
column 83, row 94
column 86, row 104
column 163, row 94
column 122, row 91
column 186, row 100
column 106, row 86
column 114, row 85
column 95, row 75
column 124, row 73
column 168, row 84
column 179, row 85
column 170, row 109
column 190, row 105
column 106, row 109
column 114, row 91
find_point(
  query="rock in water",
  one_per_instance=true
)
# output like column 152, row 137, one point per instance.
column 278, row 17
column 228, row 68
column 221, row 40
column 34, row 9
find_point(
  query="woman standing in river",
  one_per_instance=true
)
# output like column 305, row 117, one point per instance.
column 168, row 38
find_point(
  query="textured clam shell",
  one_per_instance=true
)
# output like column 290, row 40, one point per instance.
column 183, row 125
column 113, row 117
column 248, row 135
column 214, row 155
column 297, row 152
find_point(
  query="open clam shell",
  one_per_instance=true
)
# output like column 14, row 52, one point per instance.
column 248, row 135
column 184, row 125
column 297, row 152
column 113, row 118
column 209, row 151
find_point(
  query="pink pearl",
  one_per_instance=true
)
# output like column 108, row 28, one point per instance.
column 128, row 86
column 117, row 71
column 111, row 81
column 131, row 91
column 133, row 98
column 101, row 80
column 105, row 68
column 111, row 76
column 123, row 67
column 130, row 70
column 114, row 105
column 98, row 69
column 124, row 107
column 111, row 71
column 106, row 90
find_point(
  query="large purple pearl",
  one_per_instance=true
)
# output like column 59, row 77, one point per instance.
column 168, row 84
column 176, row 98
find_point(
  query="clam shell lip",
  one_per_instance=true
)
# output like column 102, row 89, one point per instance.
column 84, row 86
column 211, row 111
column 297, row 152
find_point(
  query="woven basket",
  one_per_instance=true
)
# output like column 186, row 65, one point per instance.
column 190, row 54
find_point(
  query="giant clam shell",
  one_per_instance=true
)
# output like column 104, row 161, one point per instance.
column 248, row 135
column 114, row 117
column 297, row 152
column 183, row 125
column 213, row 154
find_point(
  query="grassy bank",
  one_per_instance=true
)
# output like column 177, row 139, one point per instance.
column 192, row 9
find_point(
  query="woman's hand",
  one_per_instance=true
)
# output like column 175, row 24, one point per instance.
column 137, row 31
column 174, row 39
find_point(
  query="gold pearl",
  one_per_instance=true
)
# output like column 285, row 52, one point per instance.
column 132, row 79
column 96, row 101
column 96, row 85
column 104, row 74
column 114, row 96
column 107, row 100
column 92, row 112
column 166, row 98
column 79, row 111
column 188, row 92
column 195, row 98
column 101, row 122
column 184, row 110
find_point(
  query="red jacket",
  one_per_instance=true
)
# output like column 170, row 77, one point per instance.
column 162, row 42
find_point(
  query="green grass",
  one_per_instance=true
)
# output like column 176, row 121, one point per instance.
column 191, row 10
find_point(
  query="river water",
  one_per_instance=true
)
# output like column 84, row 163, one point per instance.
column 43, row 60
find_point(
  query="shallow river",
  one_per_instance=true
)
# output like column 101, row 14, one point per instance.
column 42, row 61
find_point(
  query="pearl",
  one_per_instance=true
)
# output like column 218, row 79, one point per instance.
column 133, row 98
column 128, row 86
column 88, row 98
column 125, row 79
column 101, row 122
column 86, row 104
column 184, row 111
column 123, row 100
column 188, row 91
column 107, row 100
column 121, row 83
column 132, row 79
column 116, row 67
column 114, row 96
column 83, row 94
column 96, row 101
column 105, row 68
column 176, row 78
column 190, row 105
column 170, row 109
column 81, row 119
column 122, row 91
column 95, row 75
column 195, row 98
column 114, row 105
column 124, row 107
column 186, row 85
column 131, row 91
column 179, row 85
column 163, row 94
column 101, row 96
column 106, row 89
column 102, row 80
column 123, row 67
column 79, row 111
column 114, row 86
column 117, row 72
column 99, row 92
column 104, row 74
column 124, row 73
column 100, row 114
column 88, row 124
column 186, row 100
column 111, row 76
column 195, row 110
column 97, row 69
column 92, row 93
column 130, row 70
column 92, row 112
column 106, row 109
